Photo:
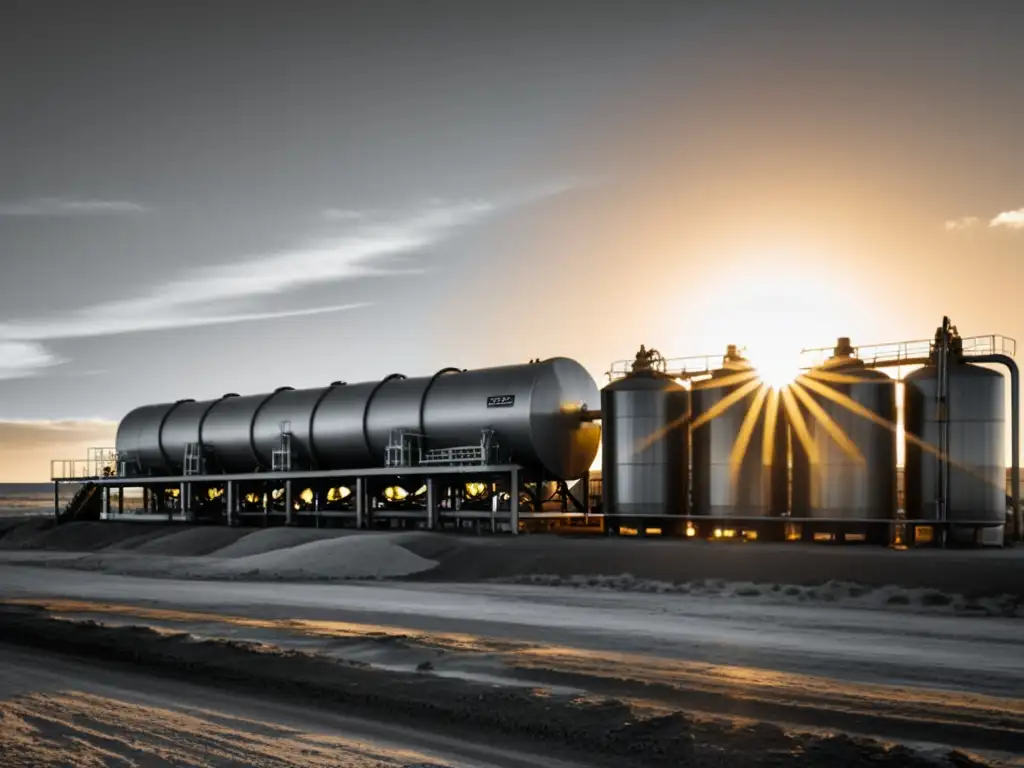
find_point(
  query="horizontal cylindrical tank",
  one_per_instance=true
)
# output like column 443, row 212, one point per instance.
column 534, row 411
column 976, row 416
column 715, row 494
column 839, row 486
column 645, row 419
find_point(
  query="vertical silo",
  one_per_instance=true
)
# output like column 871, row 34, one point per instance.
column 644, row 447
column 857, row 483
column 968, row 484
column 714, row 492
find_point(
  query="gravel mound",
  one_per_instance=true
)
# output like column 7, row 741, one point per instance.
column 192, row 542
column 269, row 539
column 368, row 556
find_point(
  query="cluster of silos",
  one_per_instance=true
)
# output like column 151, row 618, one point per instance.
column 655, row 464
column 655, row 460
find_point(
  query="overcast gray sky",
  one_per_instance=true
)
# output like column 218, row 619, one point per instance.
column 203, row 197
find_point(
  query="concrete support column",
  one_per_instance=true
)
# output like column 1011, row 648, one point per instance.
column 360, row 502
column 120, row 500
column 289, row 504
column 105, row 495
column 56, row 502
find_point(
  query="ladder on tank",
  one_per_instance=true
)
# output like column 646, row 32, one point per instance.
column 281, row 458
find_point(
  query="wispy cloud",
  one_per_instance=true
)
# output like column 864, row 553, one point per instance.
column 962, row 224
column 1009, row 219
column 19, row 359
column 344, row 214
column 62, row 206
column 368, row 247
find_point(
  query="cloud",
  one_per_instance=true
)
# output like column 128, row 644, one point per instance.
column 367, row 247
column 344, row 214
column 364, row 250
column 60, row 206
column 19, row 359
column 962, row 224
column 1009, row 219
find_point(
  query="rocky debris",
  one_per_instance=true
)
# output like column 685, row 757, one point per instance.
column 608, row 732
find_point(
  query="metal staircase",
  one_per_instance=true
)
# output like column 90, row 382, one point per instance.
column 86, row 504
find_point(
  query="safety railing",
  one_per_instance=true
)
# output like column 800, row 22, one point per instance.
column 99, row 463
column 911, row 352
column 679, row 367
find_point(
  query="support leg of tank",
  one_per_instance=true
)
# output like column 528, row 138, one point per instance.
column 431, row 504
column 289, row 504
column 105, row 493
column 360, row 502
column 229, row 502
column 514, row 502
column 56, row 503
column 120, row 500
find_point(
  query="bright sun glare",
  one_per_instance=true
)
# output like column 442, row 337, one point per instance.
column 777, row 367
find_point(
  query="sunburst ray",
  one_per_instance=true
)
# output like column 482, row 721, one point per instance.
column 739, row 447
column 771, row 418
column 796, row 420
column 725, row 404
column 834, row 430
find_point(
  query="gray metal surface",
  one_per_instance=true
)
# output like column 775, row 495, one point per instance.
column 977, row 444
column 347, row 426
column 714, row 493
column 839, row 487
column 644, row 447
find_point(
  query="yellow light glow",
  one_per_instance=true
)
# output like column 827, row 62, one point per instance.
column 691, row 531
column 395, row 493
column 337, row 494
column 718, row 533
column 653, row 531
column 474, row 490
column 307, row 496
column 729, row 533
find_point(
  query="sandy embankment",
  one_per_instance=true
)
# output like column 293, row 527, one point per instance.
column 608, row 731
column 981, row 582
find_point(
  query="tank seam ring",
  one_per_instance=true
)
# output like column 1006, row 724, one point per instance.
column 160, row 432
column 252, row 422
column 369, row 402
column 426, row 391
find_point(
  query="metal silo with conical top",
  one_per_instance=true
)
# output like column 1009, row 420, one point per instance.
column 956, row 446
column 644, row 446
column 718, row 492
column 850, row 413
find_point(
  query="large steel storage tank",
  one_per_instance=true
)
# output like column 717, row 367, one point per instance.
column 534, row 411
column 714, row 492
column 976, row 418
column 839, row 486
column 644, row 460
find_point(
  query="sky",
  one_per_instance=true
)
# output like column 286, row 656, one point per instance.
column 199, row 198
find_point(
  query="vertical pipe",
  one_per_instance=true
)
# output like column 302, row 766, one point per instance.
column 513, row 501
column 105, row 494
column 56, row 503
column 431, row 504
column 120, row 500
column 586, row 497
column 360, row 502
column 289, row 504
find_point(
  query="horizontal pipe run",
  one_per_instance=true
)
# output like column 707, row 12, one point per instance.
column 266, row 477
